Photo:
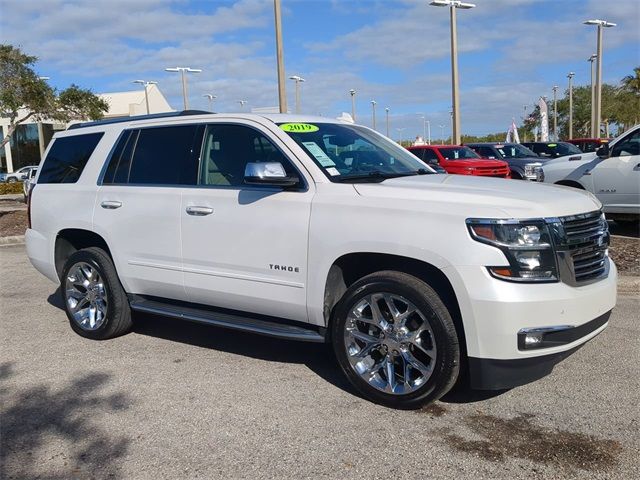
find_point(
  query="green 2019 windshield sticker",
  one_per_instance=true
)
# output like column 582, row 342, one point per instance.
column 299, row 127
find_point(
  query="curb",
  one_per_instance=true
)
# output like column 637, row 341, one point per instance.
column 15, row 240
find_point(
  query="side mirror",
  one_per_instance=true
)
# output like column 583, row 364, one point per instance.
column 268, row 173
column 603, row 151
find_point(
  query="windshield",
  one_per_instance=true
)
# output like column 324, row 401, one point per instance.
column 458, row 153
column 515, row 151
column 346, row 152
column 565, row 149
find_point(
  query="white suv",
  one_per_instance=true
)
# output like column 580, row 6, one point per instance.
column 318, row 230
column 612, row 174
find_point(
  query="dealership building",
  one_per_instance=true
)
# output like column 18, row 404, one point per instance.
column 29, row 141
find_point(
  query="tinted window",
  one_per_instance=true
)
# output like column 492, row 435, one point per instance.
column 628, row 146
column 67, row 158
column 458, row 153
column 164, row 156
column 430, row 156
column 116, row 159
column 486, row 152
column 228, row 148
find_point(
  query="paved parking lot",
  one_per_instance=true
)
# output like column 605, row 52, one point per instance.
column 177, row 400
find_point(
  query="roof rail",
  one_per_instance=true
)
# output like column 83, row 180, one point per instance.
column 137, row 117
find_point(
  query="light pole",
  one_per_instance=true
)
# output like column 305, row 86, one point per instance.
column 453, row 5
column 400, row 130
column 452, row 126
column 570, row 77
column 183, row 71
column 597, row 114
column 442, row 133
column 386, row 110
column 373, row 112
column 298, row 79
column 211, row 98
column 282, row 95
column 428, row 132
column 352, row 92
column 145, row 84
column 242, row 104
column 592, row 59
column 555, row 112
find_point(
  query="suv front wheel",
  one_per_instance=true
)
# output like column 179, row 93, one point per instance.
column 395, row 340
column 95, row 302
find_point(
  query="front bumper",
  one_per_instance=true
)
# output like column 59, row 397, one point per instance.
column 492, row 374
column 494, row 312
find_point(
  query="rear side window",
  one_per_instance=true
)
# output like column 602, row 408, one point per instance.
column 165, row 156
column 67, row 158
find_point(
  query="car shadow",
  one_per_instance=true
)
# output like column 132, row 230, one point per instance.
column 49, row 432
column 319, row 358
column 625, row 229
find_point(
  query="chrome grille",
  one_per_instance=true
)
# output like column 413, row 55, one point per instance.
column 582, row 243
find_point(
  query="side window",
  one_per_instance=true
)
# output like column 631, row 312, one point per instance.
column 627, row 146
column 120, row 159
column 228, row 148
column 486, row 152
column 430, row 156
column 67, row 158
column 162, row 156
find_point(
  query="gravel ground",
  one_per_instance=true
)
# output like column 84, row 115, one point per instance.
column 178, row 400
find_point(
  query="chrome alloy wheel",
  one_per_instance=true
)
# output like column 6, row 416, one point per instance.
column 390, row 343
column 86, row 296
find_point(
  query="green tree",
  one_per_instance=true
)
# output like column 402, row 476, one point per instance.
column 631, row 83
column 24, row 95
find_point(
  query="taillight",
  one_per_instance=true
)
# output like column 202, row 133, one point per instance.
column 29, row 194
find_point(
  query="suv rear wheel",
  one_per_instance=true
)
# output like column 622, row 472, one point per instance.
column 95, row 302
column 395, row 340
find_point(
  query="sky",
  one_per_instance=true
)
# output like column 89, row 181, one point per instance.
column 397, row 53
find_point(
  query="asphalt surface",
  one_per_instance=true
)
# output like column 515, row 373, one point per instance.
column 178, row 400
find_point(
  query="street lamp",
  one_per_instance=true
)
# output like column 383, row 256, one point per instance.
column 400, row 130
column 146, row 83
column 570, row 77
column 282, row 95
column 373, row 112
column 453, row 5
column 592, row 59
column 211, row 98
column 387, row 112
column 442, row 133
column 242, row 104
column 298, row 79
column 555, row 112
column 352, row 92
column 183, row 71
column 598, row 93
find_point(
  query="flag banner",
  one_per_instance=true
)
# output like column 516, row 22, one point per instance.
column 512, row 134
column 544, row 120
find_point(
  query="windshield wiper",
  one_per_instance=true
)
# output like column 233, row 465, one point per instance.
column 377, row 176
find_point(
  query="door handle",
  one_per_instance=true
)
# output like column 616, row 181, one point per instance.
column 199, row 211
column 111, row 204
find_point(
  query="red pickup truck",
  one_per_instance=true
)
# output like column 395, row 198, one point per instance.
column 460, row 160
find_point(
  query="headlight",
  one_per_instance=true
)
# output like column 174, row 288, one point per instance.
column 534, row 172
column 526, row 244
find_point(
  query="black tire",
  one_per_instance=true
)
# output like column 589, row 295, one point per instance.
column 424, row 298
column 118, row 314
column 12, row 180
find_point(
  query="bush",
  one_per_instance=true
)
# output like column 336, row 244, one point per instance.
column 10, row 188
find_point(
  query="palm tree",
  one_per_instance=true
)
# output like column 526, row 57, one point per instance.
column 631, row 83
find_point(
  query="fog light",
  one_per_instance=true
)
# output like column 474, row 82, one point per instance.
column 529, row 259
column 532, row 339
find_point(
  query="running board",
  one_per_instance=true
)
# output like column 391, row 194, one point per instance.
column 233, row 321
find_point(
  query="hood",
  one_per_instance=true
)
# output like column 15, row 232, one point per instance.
column 483, row 197
column 477, row 162
column 525, row 160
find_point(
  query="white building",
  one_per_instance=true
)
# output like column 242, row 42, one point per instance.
column 31, row 138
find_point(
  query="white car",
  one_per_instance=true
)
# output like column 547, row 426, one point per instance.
column 612, row 174
column 17, row 176
column 320, row 230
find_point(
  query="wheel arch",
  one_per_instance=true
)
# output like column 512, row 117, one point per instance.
column 570, row 183
column 350, row 267
column 71, row 240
